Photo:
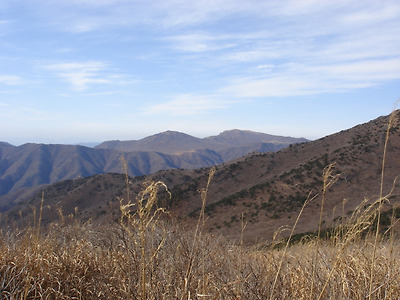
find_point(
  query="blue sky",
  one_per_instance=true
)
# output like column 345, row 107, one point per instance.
column 94, row 70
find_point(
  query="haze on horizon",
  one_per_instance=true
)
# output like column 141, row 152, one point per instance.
column 95, row 70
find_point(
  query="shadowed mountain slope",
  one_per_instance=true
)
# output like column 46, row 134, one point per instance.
column 35, row 164
column 32, row 165
column 4, row 144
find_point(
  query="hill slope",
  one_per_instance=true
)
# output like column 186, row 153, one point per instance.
column 32, row 165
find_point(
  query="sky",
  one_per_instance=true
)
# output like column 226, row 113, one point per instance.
column 94, row 70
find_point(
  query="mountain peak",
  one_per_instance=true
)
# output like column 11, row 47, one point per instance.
column 5, row 144
column 172, row 133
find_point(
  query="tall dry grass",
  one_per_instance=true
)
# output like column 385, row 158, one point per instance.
column 84, row 262
column 148, row 256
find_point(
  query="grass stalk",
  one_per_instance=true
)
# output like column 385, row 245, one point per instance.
column 241, row 258
column 308, row 200
column 40, row 216
column 328, row 181
column 380, row 201
column 197, row 234
column 143, row 215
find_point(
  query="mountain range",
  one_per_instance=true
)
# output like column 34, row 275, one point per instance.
column 172, row 142
column 32, row 165
column 260, row 192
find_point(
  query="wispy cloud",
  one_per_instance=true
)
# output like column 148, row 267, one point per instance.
column 295, row 79
column 24, row 113
column 200, row 42
column 373, row 72
column 276, row 86
column 87, row 16
column 5, row 26
column 373, row 12
column 10, row 80
column 186, row 105
column 83, row 74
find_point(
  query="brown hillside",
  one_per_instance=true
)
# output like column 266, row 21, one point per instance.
column 269, row 189
column 29, row 166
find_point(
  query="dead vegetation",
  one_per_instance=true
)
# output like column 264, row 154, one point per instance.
column 148, row 256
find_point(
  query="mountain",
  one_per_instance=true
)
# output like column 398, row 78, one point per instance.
column 4, row 145
column 31, row 165
column 169, row 142
column 264, row 191
column 237, row 137
column 87, row 144
column 172, row 142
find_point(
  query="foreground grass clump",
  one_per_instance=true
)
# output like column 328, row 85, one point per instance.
column 86, row 262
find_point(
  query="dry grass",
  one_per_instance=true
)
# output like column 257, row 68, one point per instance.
column 86, row 263
column 147, row 256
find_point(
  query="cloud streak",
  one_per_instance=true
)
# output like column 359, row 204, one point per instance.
column 82, row 75
column 10, row 80
column 299, row 79
column 186, row 105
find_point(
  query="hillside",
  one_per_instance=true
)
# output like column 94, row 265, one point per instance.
column 31, row 165
column 268, row 189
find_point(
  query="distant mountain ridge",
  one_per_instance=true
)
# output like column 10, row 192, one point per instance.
column 4, row 144
column 244, row 137
column 31, row 165
column 172, row 142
